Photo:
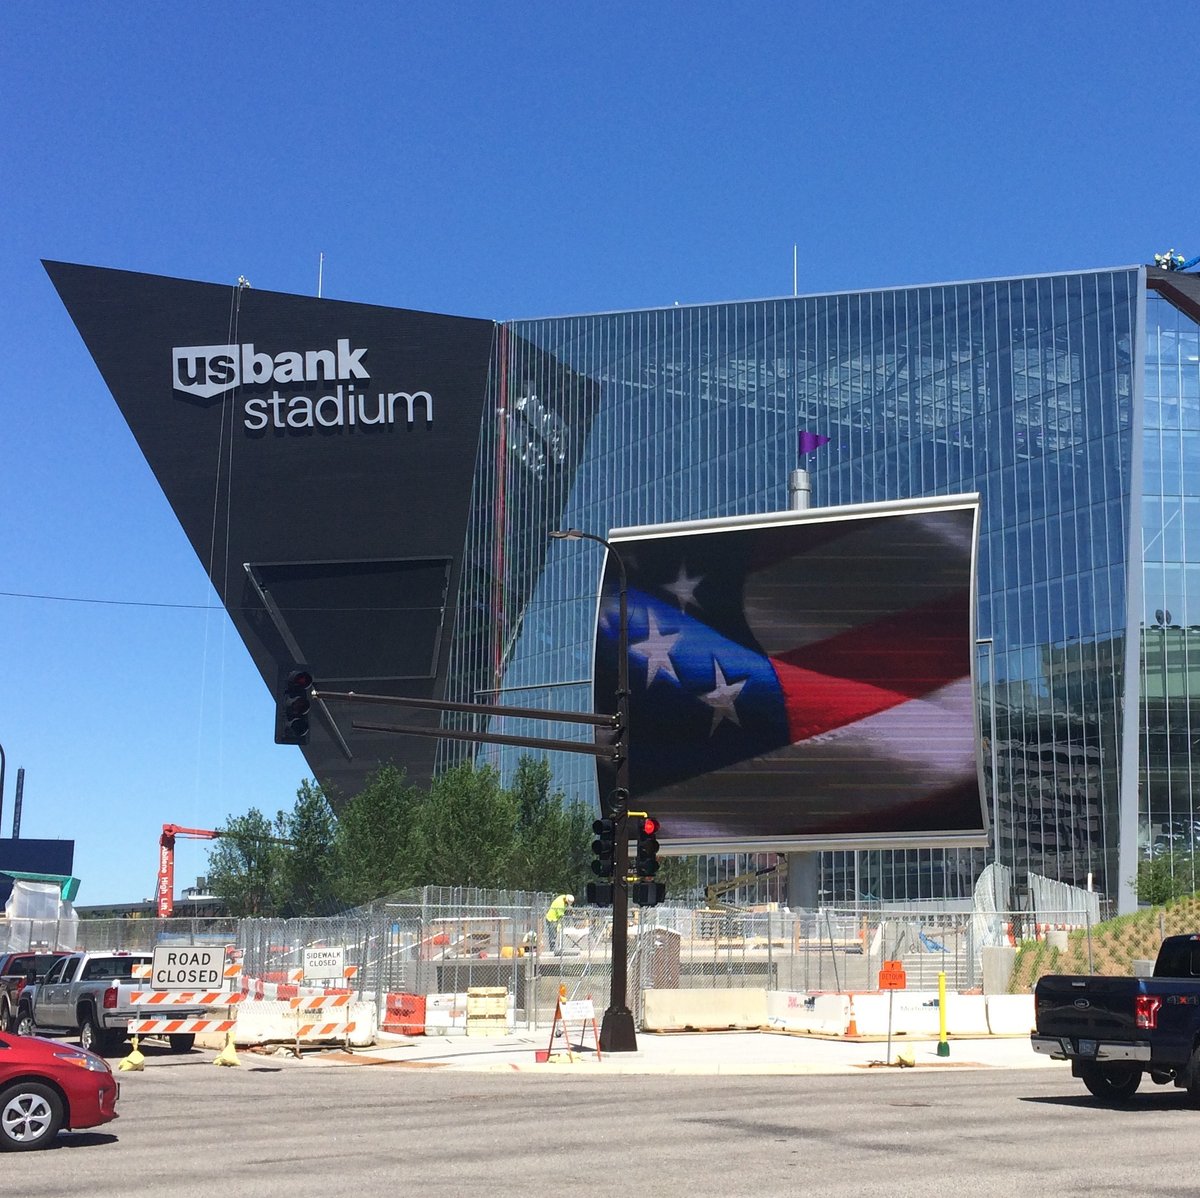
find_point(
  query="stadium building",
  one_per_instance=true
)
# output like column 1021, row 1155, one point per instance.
column 373, row 490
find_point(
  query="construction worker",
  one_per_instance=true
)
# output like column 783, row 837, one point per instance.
column 554, row 914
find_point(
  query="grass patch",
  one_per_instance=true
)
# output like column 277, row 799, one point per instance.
column 1116, row 944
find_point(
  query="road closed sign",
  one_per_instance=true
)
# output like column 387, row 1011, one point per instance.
column 187, row 967
column 324, row 962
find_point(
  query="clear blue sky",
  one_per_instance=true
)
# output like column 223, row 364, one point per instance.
column 486, row 160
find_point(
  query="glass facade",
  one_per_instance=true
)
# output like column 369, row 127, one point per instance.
column 1169, row 785
column 1022, row 390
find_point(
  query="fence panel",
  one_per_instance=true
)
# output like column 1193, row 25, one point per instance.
column 444, row 941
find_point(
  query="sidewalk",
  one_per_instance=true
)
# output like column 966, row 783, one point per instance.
column 733, row 1053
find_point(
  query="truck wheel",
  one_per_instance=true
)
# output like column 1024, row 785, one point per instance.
column 25, row 1025
column 93, row 1037
column 1113, row 1082
column 8, row 1021
column 30, row 1115
column 182, row 1041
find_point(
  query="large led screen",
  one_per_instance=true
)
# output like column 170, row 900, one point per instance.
column 803, row 678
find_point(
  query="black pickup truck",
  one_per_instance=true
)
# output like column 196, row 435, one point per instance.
column 1115, row 1030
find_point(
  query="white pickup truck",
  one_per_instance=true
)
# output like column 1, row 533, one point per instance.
column 88, row 994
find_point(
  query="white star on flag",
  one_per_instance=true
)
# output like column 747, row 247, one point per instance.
column 722, row 698
column 656, row 649
column 684, row 588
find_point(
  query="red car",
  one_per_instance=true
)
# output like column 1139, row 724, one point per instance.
column 46, row 1086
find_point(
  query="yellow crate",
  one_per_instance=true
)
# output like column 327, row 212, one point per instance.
column 487, row 1000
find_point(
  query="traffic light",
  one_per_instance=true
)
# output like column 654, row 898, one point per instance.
column 645, row 864
column 648, row 894
column 604, row 847
column 293, row 704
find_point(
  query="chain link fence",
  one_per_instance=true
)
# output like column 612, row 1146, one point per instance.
column 443, row 941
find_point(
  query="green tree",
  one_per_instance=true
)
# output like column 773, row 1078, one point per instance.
column 680, row 874
column 307, row 870
column 551, row 849
column 465, row 828
column 376, row 848
column 1166, row 876
column 244, row 864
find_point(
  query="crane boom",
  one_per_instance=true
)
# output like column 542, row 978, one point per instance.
column 713, row 892
column 165, row 889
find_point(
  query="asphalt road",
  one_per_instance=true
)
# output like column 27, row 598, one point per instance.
column 287, row 1128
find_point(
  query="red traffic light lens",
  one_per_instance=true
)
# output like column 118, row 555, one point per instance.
column 300, row 680
column 650, row 825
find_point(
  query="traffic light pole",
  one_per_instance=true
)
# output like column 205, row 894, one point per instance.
column 616, row 1030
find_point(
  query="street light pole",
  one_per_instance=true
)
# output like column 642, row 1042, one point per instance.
column 616, row 1030
column 1, row 787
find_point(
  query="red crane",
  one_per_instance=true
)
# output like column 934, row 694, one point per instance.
column 165, row 895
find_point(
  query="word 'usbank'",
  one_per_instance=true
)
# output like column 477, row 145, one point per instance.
column 208, row 370
column 343, row 408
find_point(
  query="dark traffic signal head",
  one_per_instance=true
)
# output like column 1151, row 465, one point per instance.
column 645, row 865
column 648, row 894
column 293, row 703
column 604, row 847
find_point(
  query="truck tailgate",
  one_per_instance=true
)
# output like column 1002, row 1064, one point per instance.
column 1095, row 1007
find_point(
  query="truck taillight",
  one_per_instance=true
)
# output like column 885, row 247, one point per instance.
column 110, row 999
column 21, row 984
column 1145, row 1011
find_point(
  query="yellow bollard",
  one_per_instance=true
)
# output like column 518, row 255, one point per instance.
column 943, row 1048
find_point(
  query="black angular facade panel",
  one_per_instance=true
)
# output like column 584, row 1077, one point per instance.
column 332, row 447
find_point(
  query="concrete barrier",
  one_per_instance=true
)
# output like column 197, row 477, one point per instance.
column 703, row 1010
column 913, row 1013
column 966, row 1015
column 817, row 1014
column 269, row 1022
column 444, row 1012
column 1010, row 1014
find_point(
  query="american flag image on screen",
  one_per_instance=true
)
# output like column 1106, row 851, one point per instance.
column 806, row 677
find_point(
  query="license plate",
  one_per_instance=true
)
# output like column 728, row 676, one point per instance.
column 1087, row 1048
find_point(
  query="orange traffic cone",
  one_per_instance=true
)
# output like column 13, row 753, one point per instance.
column 852, row 1026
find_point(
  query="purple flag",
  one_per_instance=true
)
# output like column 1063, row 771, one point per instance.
column 810, row 441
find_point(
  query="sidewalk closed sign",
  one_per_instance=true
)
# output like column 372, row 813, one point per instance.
column 187, row 967
column 324, row 962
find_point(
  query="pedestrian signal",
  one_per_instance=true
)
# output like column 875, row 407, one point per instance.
column 600, row 894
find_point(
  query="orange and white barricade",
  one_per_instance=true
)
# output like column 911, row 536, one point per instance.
column 178, row 1027
column 323, row 1026
column 186, row 998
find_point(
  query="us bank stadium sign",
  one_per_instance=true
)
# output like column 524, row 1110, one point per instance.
column 299, row 389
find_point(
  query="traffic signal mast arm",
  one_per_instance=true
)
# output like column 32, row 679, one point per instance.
column 608, row 752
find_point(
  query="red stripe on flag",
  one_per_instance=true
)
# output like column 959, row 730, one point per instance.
column 910, row 653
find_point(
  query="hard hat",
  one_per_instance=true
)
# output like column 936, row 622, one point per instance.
column 570, row 898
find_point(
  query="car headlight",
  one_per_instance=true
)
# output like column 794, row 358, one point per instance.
column 85, row 1060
